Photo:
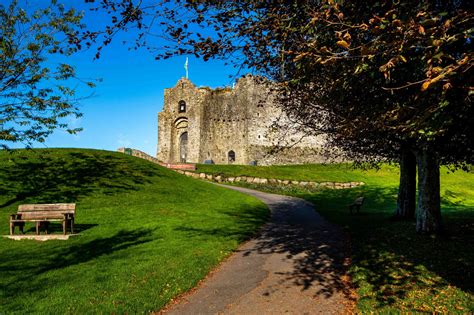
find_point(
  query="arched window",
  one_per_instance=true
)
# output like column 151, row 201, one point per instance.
column 231, row 156
column 181, row 106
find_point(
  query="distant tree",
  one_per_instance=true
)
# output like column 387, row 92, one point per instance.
column 386, row 80
column 36, row 94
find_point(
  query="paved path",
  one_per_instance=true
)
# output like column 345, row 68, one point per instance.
column 295, row 266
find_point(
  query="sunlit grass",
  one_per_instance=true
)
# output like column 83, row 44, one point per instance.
column 146, row 233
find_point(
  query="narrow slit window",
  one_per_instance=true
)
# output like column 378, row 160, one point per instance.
column 181, row 106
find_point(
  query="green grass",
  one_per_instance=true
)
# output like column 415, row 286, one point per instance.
column 146, row 234
column 393, row 268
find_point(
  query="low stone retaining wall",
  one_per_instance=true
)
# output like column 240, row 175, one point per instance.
column 143, row 155
column 274, row 181
column 187, row 167
column 139, row 154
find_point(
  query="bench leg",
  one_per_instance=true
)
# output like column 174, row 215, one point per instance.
column 37, row 227
column 72, row 226
column 64, row 226
column 12, row 228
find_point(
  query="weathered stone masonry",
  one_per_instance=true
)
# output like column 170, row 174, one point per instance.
column 228, row 125
column 270, row 181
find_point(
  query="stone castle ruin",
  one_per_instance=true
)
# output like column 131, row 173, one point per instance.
column 236, row 125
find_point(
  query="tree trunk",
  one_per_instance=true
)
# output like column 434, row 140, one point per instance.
column 428, row 217
column 406, row 201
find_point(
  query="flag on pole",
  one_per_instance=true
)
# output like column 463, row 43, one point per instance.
column 186, row 67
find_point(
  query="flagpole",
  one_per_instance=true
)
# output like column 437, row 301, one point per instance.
column 186, row 68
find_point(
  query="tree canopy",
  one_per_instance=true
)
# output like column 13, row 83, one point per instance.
column 382, row 79
column 391, row 70
column 36, row 95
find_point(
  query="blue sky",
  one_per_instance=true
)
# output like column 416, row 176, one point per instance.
column 123, row 108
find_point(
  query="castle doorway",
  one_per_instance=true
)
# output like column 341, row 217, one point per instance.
column 231, row 157
column 183, row 147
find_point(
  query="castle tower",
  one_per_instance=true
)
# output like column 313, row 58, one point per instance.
column 230, row 125
column 179, row 124
column 199, row 124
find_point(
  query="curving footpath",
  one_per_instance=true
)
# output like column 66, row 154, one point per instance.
column 295, row 266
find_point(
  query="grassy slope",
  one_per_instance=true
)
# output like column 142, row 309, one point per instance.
column 394, row 268
column 146, row 233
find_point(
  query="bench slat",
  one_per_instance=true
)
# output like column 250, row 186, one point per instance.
column 43, row 212
column 47, row 207
column 37, row 220
column 46, row 216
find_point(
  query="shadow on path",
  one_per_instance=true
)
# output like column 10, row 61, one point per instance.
column 319, row 251
column 297, row 264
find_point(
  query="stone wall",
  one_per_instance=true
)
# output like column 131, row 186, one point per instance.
column 225, row 126
column 271, row 181
column 240, row 119
column 268, row 155
column 139, row 154
column 143, row 155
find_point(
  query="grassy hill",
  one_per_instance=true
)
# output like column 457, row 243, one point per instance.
column 393, row 269
column 146, row 233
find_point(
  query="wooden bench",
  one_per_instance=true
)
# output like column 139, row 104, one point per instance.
column 358, row 202
column 42, row 214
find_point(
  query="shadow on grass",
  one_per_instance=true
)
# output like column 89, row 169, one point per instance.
column 246, row 221
column 389, row 259
column 58, row 228
column 34, row 266
column 67, row 176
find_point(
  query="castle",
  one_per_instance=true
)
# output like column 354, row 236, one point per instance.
column 230, row 125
